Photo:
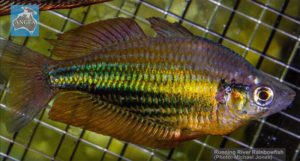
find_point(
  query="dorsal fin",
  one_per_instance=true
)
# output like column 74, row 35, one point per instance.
column 81, row 41
column 89, row 112
column 166, row 29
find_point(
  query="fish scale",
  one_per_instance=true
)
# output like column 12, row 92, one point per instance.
column 156, row 89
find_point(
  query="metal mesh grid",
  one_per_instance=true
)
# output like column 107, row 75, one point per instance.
column 279, row 130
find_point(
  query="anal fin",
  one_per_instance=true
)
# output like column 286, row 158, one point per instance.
column 87, row 111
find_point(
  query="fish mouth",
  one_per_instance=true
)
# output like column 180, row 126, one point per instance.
column 286, row 100
column 289, row 97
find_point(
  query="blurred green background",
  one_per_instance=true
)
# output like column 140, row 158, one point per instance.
column 244, row 26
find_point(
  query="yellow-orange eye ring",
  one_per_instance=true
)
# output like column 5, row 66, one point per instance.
column 263, row 96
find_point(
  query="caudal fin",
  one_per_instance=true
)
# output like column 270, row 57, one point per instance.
column 28, row 91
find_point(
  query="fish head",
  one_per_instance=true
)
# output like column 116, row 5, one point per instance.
column 264, row 96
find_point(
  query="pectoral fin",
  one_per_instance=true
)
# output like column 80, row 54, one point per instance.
column 190, row 135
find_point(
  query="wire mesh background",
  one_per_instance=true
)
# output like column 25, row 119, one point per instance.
column 265, row 32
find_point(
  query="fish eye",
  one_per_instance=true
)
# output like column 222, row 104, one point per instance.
column 263, row 96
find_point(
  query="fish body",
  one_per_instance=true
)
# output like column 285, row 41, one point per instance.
column 45, row 4
column 152, row 91
column 164, row 79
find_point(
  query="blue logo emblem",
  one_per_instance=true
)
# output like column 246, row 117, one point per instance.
column 24, row 20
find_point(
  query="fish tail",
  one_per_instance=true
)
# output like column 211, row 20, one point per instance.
column 28, row 90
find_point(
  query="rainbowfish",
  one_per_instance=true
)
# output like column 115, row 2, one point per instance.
column 110, row 78
column 46, row 4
